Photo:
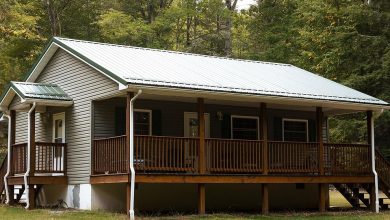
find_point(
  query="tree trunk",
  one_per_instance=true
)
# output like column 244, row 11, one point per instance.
column 231, row 6
column 52, row 14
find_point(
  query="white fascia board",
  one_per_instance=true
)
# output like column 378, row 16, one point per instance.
column 46, row 102
column 49, row 54
column 9, row 96
column 93, row 67
column 42, row 62
column 256, row 98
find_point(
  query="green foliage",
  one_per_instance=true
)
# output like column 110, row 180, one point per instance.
column 19, row 39
column 118, row 27
column 343, row 40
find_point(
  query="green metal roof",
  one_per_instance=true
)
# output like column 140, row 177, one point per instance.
column 39, row 91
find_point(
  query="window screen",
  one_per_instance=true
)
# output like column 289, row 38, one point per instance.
column 142, row 123
column 295, row 130
column 245, row 128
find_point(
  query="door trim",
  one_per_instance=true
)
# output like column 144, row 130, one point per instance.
column 58, row 116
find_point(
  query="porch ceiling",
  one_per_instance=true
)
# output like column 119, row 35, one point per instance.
column 253, row 102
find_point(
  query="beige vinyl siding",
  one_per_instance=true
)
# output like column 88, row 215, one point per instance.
column 21, row 127
column 83, row 84
column 21, row 122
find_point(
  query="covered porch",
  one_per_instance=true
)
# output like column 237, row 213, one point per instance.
column 167, row 149
column 37, row 153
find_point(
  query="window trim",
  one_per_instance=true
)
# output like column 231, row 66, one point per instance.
column 296, row 120
column 150, row 119
column 246, row 117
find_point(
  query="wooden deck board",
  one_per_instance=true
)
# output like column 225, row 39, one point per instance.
column 38, row 180
column 188, row 178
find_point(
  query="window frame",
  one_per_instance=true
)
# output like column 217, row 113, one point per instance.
column 245, row 117
column 150, row 120
column 306, row 121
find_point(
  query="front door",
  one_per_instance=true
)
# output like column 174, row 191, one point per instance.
column 58, row 137
column 191, row 124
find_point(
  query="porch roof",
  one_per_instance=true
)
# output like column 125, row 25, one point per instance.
column 39, row 91
column 44, row 94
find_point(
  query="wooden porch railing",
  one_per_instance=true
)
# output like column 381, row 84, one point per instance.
column 293, row 157
column 161, row 154
column 347, row 159
column 234, row 156
column 19, row 158
column 49, row 158
column 109, row 155
column 157, row 153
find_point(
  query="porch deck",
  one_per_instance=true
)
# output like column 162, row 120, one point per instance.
column 229, row 160
column 47, row 167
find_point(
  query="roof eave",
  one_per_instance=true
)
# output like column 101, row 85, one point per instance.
column 48, row 102
column 358, row 106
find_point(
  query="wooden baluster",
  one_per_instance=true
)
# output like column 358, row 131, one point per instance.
column 264, row 136
column 218, row 156
column 169, row 153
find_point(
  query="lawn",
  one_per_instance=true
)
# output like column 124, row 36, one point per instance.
column 335, row 200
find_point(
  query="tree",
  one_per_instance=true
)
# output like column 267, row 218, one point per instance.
column 20, row 39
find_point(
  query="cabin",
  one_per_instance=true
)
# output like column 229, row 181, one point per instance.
column 120, row 128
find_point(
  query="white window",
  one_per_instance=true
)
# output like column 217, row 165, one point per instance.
column 244, row 127
column 142, row 122
column 295, row 130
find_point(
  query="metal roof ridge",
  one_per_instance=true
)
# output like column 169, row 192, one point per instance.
column 175, row 52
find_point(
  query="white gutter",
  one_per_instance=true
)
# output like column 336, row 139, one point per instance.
column 26, row 186
column 132, row 181
column 8, row 158
column 373, row 165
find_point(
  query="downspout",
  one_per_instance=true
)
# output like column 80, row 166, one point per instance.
column 373, row 164
column 8, row 158
column 26, row 186
column 132, row 181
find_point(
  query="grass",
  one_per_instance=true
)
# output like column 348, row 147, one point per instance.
column 336, row 199
column 40, row 214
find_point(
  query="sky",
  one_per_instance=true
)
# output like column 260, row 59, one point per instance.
column 244, row 4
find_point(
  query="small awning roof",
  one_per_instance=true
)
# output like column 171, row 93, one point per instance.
column 40, row 93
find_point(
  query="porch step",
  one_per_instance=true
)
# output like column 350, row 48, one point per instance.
column 356, row 193
column 349, row 194
column 18, row 193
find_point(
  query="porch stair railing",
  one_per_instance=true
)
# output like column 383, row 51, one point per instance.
column 355, row 192
column 3, row 171
column 382, row 167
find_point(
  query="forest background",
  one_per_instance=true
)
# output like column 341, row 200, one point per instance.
column 347, row 41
